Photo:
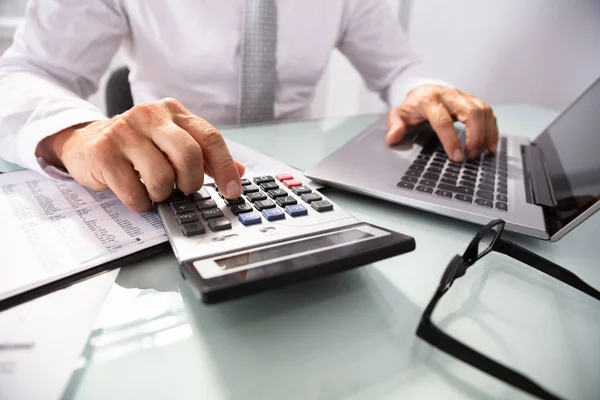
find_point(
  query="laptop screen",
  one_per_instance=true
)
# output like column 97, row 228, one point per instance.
column 571, row 148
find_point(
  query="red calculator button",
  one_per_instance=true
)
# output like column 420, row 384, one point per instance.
column 284, row 177
column 291, row 183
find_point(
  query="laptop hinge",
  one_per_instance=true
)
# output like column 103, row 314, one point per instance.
column 537, row 183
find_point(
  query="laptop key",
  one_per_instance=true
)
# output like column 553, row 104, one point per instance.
column 501, row 197
column 469, row 184
column 462, row 197
column 485, row 195
column 410, row 172
column 502, row 185
column 419, row 168
column 502, row 191
column 424, row 189
column 410, row 179
column 469, row 172
column 501, row 206
column 420, row 162
column 443, row 193
column 430, row 176
column 484, row 202
column 425, row 182
column 436, row 164
column 404, row 185
column 487, row 188
column 486, row 182
column 448, row 181
column 469, row 178
column 453, row 170
column 434, row 170
column 456, row 189
column 450, row 176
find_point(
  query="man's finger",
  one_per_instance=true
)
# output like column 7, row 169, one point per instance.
column 396, row 127
column 472, row 116
column 154, row 169
column 240, row 167
column 122, row 179
column 442, row 123
column 491, row 127
column 216, row 154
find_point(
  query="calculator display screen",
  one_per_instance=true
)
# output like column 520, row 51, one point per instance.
column 286, row 249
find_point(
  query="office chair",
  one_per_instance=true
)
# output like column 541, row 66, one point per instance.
column 118, row 97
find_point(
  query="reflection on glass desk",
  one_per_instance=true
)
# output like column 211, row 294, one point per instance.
column 352, row 335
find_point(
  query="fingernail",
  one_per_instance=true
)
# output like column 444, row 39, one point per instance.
column 232, row 189
column 458, row 155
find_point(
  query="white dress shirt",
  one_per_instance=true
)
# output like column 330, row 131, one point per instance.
column 186, row 49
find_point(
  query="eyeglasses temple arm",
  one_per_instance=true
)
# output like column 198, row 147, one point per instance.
column 437, row 338
column 544, row 265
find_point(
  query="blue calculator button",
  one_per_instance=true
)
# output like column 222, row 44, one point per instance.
column 272, row 214
column 250, row 218
column 296, row 210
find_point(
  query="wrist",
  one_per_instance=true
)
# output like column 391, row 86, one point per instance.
column 52, row 147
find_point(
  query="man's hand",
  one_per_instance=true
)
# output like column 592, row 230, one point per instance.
column 161, row 142
column 439, row 105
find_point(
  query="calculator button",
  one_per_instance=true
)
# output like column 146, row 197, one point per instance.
column 286, row 201
column 269, row 186
column 187, row 217
column 291, row 183
column 212, row 213
column 273, row 214
column 263, row 179
column 206, row 204
column 219, row 224
column 300, row 190
column 176, row 195
column 310, row 197
column 182, row 207
column 264, row 204
column 322, row 205
column 252, row 197
column 202, row 194
column 284, row 177
column 230, row 202
column 191, row 229
column 241, row 208
column 424, row 189
column 250, row 218
column 249, row 189
column 246, row 182
column 277, row 193
column 296, row 210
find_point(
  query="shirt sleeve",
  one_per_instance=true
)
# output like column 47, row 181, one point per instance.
column 57, row 58
column 374, row 42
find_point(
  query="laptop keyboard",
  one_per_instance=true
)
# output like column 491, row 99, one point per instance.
column 481, row 181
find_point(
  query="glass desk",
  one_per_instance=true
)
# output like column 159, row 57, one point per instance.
column 352, row 335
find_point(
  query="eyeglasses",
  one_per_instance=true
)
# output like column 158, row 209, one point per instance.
column 486, row 240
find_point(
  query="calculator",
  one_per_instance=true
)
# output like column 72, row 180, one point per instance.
column 278, row 232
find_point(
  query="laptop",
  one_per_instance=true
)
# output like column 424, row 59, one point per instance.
column 541, row 188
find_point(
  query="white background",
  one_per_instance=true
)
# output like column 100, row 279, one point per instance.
column 542, row 52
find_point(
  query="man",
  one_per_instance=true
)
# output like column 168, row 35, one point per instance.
column 195, row 63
